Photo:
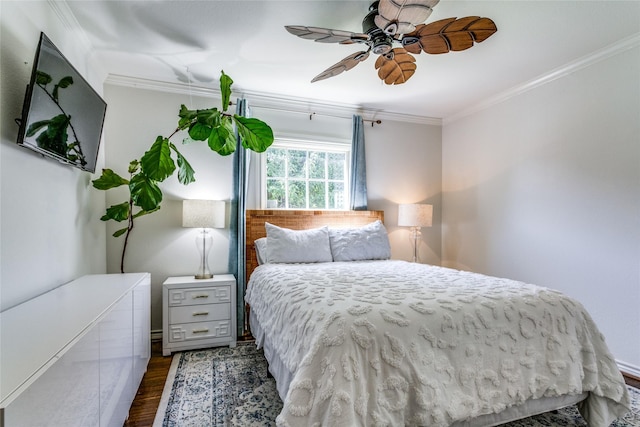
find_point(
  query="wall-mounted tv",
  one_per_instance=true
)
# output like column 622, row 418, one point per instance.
column 62, row 116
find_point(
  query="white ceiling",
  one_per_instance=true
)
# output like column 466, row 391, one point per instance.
column 182, row 41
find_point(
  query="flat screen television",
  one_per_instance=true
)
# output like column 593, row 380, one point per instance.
column 63, row 115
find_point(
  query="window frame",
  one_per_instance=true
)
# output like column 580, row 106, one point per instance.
column 307, row 145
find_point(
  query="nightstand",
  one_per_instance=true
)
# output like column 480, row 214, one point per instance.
column 198, row 313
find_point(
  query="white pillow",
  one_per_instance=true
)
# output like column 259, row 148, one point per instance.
column 261, row 250
column 357, row 244
column 293, row 246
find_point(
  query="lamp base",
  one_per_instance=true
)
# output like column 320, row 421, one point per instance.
column 203, row 242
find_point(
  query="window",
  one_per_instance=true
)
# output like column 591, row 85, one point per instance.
column 303, row 175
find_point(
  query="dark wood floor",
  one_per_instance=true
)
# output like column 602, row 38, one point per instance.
column 144, row 407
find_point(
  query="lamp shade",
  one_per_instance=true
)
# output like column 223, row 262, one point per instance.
column 203, row 214
column 415, row 215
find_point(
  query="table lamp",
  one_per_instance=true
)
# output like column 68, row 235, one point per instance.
column 203, row 214
column 415, row 216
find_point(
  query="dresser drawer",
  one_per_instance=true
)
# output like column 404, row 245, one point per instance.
column 199, row 330
column 195, row 296
column 199, row 313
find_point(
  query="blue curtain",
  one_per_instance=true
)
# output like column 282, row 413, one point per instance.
column 358, row 189
column 237, row 259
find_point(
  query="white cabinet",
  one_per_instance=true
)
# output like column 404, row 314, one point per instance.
column 75, row 356
column 198, row 313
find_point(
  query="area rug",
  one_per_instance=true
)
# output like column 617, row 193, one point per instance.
column 230, row 387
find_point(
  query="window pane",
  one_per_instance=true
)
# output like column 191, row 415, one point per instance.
column 275, row 191
column 275, row 162
column 297, row 194
column 297, row 162
column 316, row 164
column 305, row 177
column 336, row 195
column 316, row 195
column 337, row 165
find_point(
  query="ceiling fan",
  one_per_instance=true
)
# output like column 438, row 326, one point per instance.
column 392, row 22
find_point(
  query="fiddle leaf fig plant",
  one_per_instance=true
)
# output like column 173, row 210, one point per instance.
column 213, row 125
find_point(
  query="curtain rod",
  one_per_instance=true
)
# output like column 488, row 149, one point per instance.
column 376, row 122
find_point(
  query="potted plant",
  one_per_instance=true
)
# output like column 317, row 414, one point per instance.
column 213, row 125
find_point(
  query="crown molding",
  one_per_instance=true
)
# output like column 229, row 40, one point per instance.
column 571, row 67
column 272, row 101
column 68, row 19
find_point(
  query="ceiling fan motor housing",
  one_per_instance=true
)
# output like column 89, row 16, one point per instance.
column 379, row 42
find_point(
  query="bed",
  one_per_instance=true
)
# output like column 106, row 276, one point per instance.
column 355, row 338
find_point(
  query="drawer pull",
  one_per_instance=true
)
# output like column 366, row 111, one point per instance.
column 201, row 296
column 200, row 331
column 201, row 313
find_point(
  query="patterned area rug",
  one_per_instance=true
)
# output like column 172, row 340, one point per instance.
column 229, row 387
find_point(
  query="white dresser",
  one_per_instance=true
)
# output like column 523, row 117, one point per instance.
column 198, row 313
column 75, row 355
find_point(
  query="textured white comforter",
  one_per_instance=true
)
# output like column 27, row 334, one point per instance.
column 391, row 343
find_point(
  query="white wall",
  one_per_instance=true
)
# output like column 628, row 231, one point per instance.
column 49, row 229
column 545, row 188
column 162, row 247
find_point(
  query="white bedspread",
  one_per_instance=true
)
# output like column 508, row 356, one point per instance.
column 391, row 343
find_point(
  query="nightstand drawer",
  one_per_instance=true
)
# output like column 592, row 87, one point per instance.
column 199, row 313
column 200, row 330
column 211, row 295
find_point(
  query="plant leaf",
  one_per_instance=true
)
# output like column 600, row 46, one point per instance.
column 199, row 131
column 225, row 90
column 63, row 83
column 142, row 212
column 186, row 117
column 185, row 171
column 42, row 78
column 109, row 179
column 222, row 139
column 145, row 192
column 120, row 232
column 36, row 126
column 54, row 138
column 157, row 163
column 133, row 166
column 117, row 212
column 256, row 135
column 209, row 117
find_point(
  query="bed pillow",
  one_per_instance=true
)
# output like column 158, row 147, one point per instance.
column 261, row 250
column 358, row 244
column 297, row 246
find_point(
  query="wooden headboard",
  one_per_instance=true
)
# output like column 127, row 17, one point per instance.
column 299, row 220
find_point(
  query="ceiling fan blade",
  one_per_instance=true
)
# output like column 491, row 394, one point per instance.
column 449, row 34
column 396, row 67
column 326, row 35
column 345, row 65
column 401, row 16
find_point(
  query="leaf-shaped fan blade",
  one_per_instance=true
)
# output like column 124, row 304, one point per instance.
column 345, row 65
column 396, row 67
column 449, row 34
column 401, row 16
column 325, row 35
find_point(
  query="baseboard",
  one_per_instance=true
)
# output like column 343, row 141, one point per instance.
column 627, row 368
column 156, row 335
